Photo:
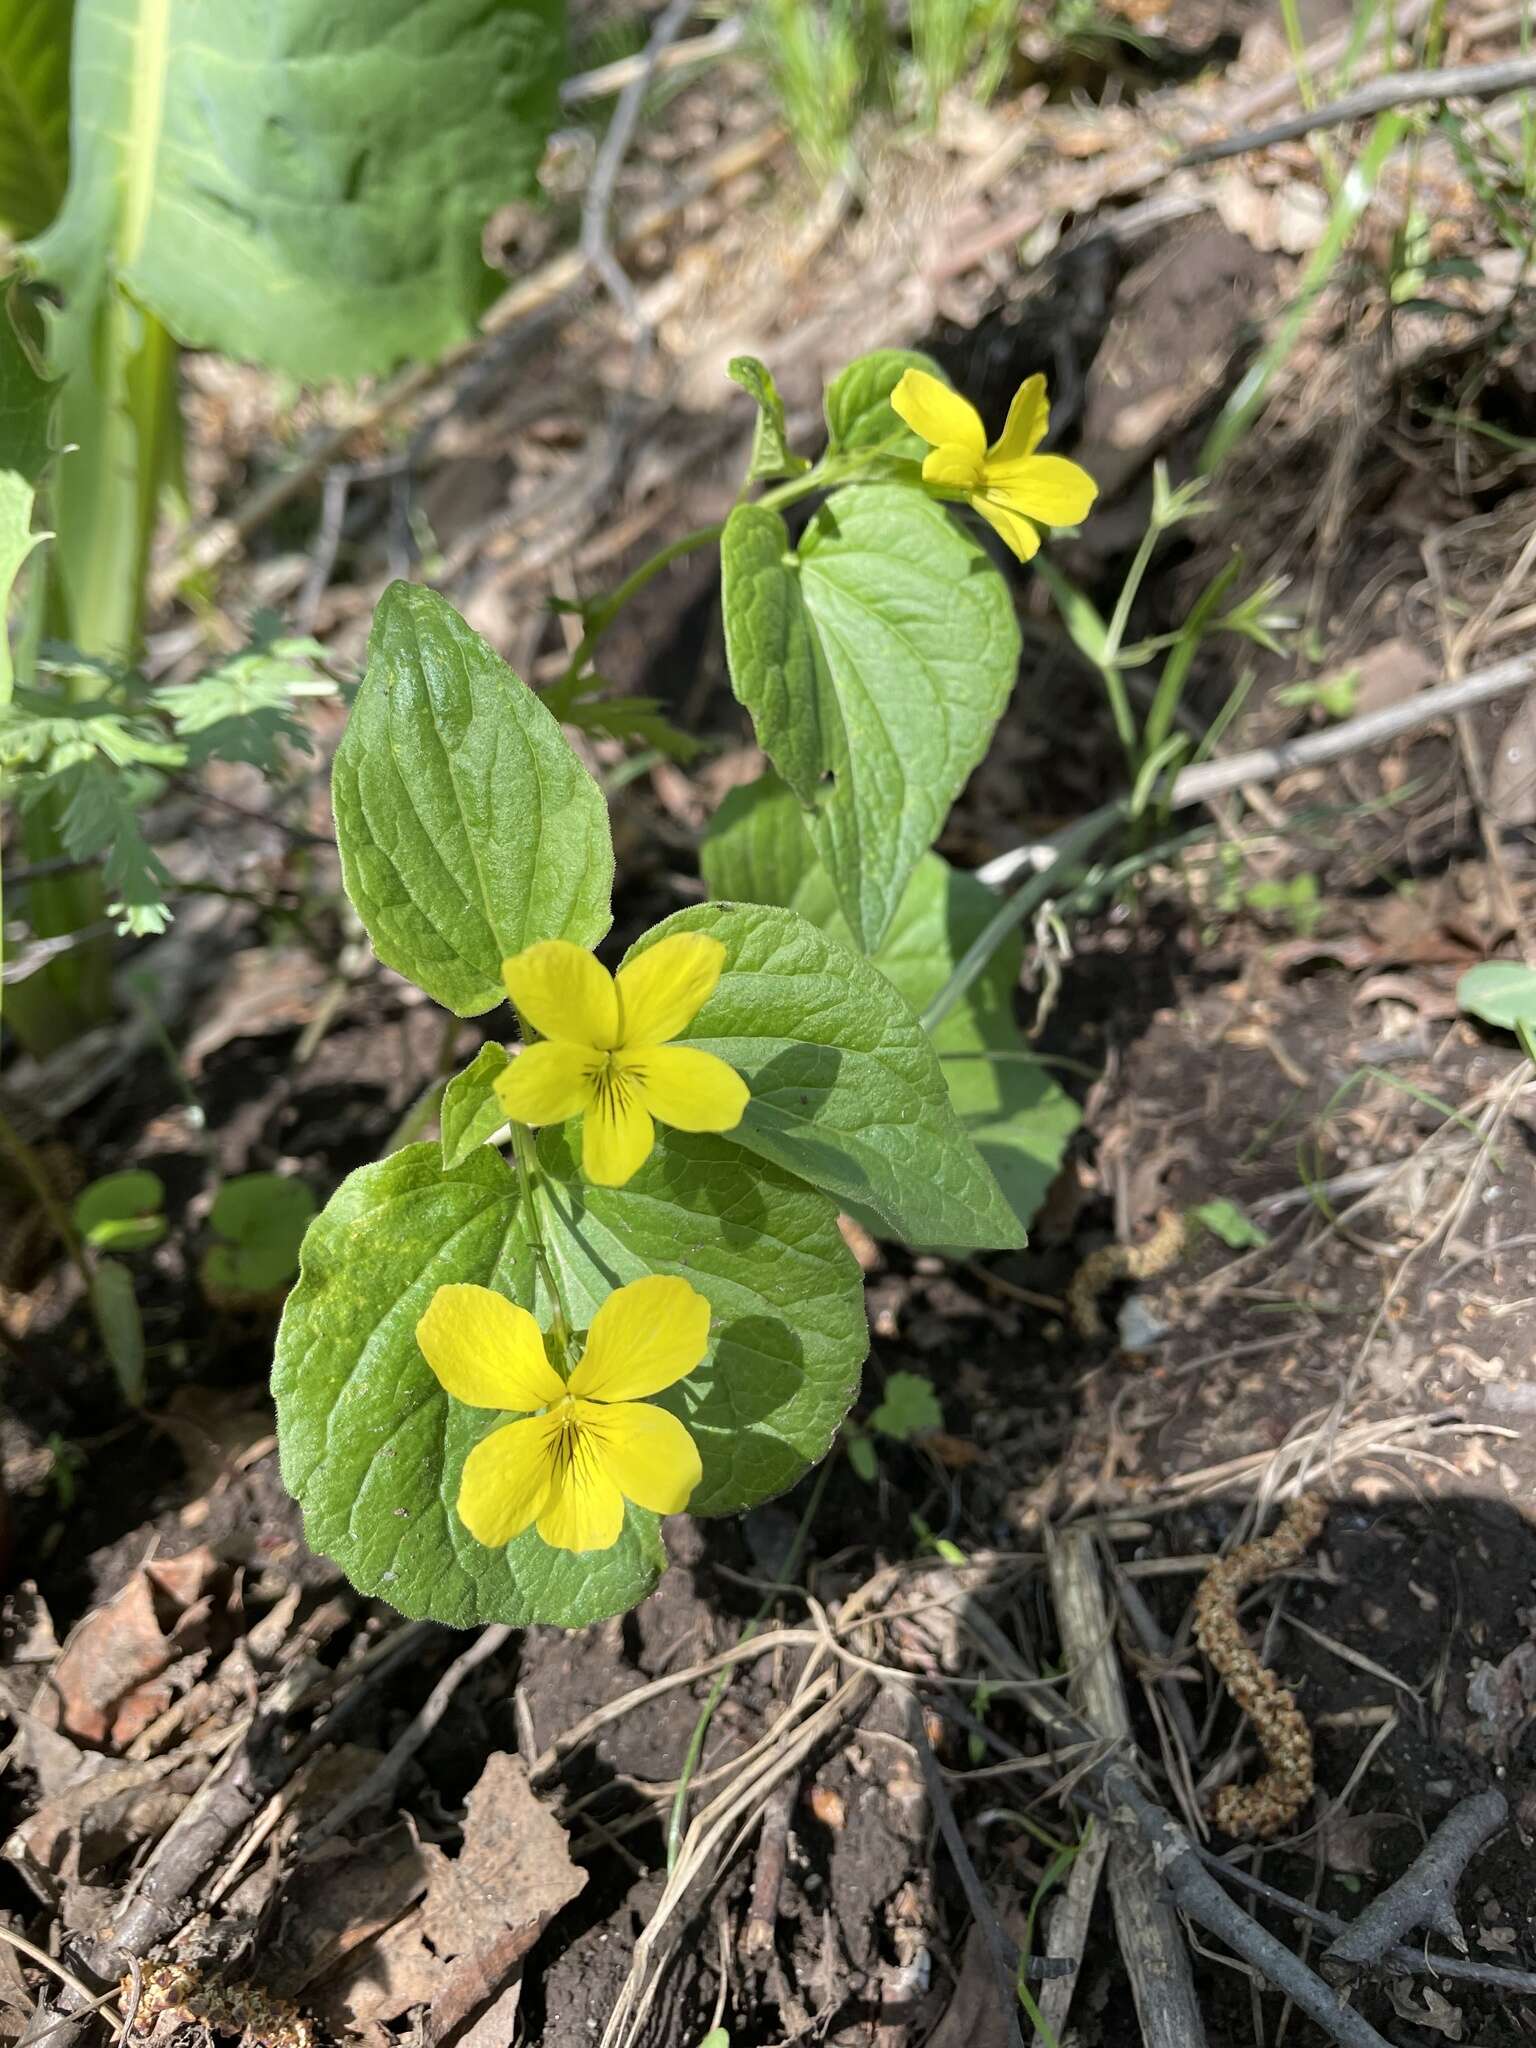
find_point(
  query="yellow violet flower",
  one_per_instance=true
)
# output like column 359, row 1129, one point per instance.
column 588, row 1443
column 1008, row 483
column 603, row 1053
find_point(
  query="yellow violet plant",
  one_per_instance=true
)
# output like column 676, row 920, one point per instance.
column 587, row 1443
column 604, row 1052
column 613, row 1286
column 1015, row 489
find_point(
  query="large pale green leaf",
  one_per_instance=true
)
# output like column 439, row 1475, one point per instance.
column 34, row 112
column 846, row 1086
column 875, row 660
column 468, row 829
column 372, row 1447
column 1016, row 1115
column 302, row 183
column 26, row 408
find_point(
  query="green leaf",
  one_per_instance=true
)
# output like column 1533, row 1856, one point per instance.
column 631, row 718
column 34, row 112
column 1019, row 1118
column 846, row 1087
column 910, row 1408
column 862, row 1456
column 467, row 827
column 1501, row 992
column 302, row 186
column 26, row 412
column 121, row 1212
column 471, row 1114
column 875, row 663
column 373, row 1448
column 858, row 402
column 115, row 1307
column 771, row 453
column 263, row 1218
column 1229, row 1221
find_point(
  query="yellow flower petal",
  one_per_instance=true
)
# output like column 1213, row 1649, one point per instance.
column 646, row 1452
column 1017, row 532
column 1045, row 487
column 548, row 1082
column 585, row 1509
column 940, row 416
column 485, row 1350
column 684, row 1087
column 565, row 993
column 662, row 991
column 507, row 1479
column 956, row 468
column 1024, row 429
column 616, row 1135
column 645, row 1336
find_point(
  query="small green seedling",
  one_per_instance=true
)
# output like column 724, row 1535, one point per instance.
column 910, row 1408
column 122, row 1212
column 1334, row 694
column 260, row 1219
column 1229, row 1221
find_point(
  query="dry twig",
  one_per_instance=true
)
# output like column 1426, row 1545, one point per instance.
column 1150, row 1939
column 1399, row 89
column 1424, row 1896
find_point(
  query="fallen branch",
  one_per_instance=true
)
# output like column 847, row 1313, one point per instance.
column 1404, row 1961
column 1177, row 1860
column 1424, row 1896
column 381, row 1782
column 1151, row 1941
column 1402, row 89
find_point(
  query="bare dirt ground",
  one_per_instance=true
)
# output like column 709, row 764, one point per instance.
column 429, row 1839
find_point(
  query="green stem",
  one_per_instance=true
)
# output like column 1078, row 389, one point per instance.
column 824, row 477
column 24, row 1158
column 528, row 1172
column 678, row 1816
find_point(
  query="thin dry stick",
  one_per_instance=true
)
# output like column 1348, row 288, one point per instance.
column 999, row 1948
column 1268, row 764
column 1067, row 1936
column 1151, row 1942
column 381, row 1783
column 596, row 248
column 1399, row 89
column 1424, row 1896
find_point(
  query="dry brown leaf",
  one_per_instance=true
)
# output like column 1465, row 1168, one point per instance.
column 102, row 1685
column 1503, row 1696
column 490, row 1904
column 1348, row 1840
column 1436, row 2013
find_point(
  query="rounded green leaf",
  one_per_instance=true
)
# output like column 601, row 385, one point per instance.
column 875, row 662
column 858, row 404
column 1501, row 992
column 789, row 1333
column 1017, row 1116
column 122, row 1211
column 467, row 827
column 846, row 1086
